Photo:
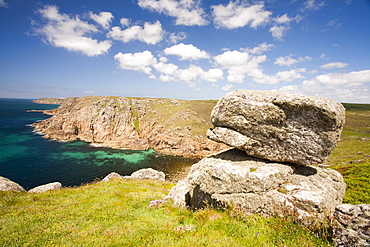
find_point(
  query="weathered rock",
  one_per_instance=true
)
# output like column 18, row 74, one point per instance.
column 233, row 178
column 149, row 173
column 352, row 225
column 278, row 126
column 46, row 187
column 111, row 176
column 174, row 127
column 9, row 185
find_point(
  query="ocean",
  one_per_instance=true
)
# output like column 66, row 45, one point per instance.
column 31, row 160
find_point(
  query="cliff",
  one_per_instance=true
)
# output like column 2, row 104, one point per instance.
column 52, row 101
column 173, row 127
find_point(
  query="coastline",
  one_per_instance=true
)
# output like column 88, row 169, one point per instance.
column 170, row 127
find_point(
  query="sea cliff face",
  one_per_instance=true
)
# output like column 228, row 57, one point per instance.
column 173, row 127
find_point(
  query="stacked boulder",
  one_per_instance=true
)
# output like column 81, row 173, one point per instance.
column 280, row 142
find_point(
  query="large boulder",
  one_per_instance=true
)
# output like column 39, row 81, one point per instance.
column 278, row 126
column 232, row 178
column 352, row 225
column 149, row 173
column 46, row 187
column 8, row 185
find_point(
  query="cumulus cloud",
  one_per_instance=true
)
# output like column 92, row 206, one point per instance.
column 212, row 75
column 261, row 48
column 343, row 87
column 174, row 38
column 278, row 32
column 281, row 76
column 186, row 52
column 228, row 87
column 352, row 78
column 125, row 22
column 140, row 61
column 334, row 65
column 62, row 30
column 186, row 12
column 289, row 61
column 166, row 68
column 103, row 18
column 312, row 5
column 239, row 14
column 150, row 33
column 239, row 65
column 358, row 93
column 282, row 25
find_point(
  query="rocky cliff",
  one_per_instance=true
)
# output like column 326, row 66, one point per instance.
column 52, row 101
column 174, row 127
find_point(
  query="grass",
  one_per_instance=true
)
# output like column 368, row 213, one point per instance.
column 116, row 213
column 352, row 154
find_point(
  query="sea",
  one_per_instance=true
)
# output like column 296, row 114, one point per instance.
column 29, row 159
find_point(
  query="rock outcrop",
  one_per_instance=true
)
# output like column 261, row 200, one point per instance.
column 233, row 178
column 147, row 173
column 8, row 185
column 46, row 187
column 278, row 126
column 352, row 225
column 174, row 127
column 51, row 101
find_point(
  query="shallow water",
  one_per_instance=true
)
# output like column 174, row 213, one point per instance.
column 31, row 160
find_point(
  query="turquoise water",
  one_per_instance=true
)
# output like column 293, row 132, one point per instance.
column 31, row 160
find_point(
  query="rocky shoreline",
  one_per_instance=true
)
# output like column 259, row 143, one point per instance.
column 171, row 127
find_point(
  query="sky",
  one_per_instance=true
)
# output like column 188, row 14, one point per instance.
column 184, row 49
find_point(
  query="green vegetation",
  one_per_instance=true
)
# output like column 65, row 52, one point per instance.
column 116, row 213
column 352, row 154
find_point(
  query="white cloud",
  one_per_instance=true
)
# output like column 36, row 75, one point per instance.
column 228, row 87
column 150, row 33
column 324, row 56
column 278, row 32
column 283, row 19
column 343, row 87
column 312, row 5
column 290, row 89
column 3, row 4
column 281, row 76
column 289, row 61
column 103, row 18
column 212, row 75
column 351, row 78
column 239, row 65
column 174, row 38
column 167, row 69
column 282, row 25
column 186, row 52
column 238, row 14
column 186, row 12
column 261, row 48
column 125, row 22
column 140, row 61
column 355, row 93
column 334, row 65
column 67, row 32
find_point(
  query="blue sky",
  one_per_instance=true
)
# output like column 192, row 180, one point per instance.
column 184, row 49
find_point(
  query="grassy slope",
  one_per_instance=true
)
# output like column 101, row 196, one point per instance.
column 116, row 213
column 352, row 154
